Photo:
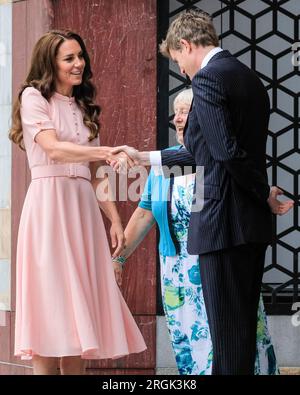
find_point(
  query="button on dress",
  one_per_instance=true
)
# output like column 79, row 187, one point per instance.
column 67, row 300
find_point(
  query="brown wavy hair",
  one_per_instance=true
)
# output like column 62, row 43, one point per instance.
column 42, row 75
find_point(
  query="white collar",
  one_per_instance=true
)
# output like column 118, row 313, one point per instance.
column 209, row 55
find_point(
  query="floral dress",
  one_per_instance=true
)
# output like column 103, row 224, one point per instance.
column 183, row 300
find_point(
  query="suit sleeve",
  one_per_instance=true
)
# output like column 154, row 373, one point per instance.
column 180, row 161
column 214, row 117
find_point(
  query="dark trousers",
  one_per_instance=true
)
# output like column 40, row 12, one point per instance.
column 231, row 281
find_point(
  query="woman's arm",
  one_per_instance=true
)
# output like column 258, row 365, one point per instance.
column 66, row 152
column 108, row 206
column 137, row 228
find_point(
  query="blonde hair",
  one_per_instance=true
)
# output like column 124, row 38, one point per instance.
column 194, row 26
column 185, row 96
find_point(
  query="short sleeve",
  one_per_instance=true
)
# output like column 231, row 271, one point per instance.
column 145, row 201
column 35, row 114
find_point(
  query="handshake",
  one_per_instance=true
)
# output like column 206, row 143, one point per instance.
column 124, row 157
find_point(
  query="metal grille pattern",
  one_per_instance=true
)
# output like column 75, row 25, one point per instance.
column 263, row 34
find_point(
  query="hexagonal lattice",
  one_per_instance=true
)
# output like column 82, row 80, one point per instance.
column 278, row 122
column 262, row 25
column 248, row 29
column 253, row 7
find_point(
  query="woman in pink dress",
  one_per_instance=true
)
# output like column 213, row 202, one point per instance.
column 68, row 305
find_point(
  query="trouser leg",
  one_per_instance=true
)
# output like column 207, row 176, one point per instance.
column 231, row 281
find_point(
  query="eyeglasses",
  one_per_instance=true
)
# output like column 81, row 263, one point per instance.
column 181, row 112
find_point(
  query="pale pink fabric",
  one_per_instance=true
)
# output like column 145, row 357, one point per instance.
column 68, row 302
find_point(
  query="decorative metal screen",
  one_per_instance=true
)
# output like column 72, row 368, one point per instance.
column 263, row 34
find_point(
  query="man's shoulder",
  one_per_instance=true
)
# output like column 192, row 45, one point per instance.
column 223, row 67
column 222, row 62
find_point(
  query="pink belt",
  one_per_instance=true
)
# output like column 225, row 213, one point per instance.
column 71, row 170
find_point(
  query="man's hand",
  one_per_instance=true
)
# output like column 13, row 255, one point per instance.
column 131, row 152
column 120, row 162
column 276, row 206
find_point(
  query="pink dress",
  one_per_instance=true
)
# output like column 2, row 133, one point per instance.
column 68, row 302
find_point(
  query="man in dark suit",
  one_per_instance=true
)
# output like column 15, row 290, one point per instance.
column 226, row 134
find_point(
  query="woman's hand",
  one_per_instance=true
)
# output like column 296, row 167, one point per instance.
column 120, row 163
column 117, row 237
column 118, row 269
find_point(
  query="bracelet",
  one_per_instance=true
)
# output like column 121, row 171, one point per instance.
column 120, row 259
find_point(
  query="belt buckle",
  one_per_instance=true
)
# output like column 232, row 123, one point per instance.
column 72, row 171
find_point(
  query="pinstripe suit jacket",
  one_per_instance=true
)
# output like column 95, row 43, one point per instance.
column 226, row 133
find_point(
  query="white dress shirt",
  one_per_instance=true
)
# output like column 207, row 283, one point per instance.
column 209, row 55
